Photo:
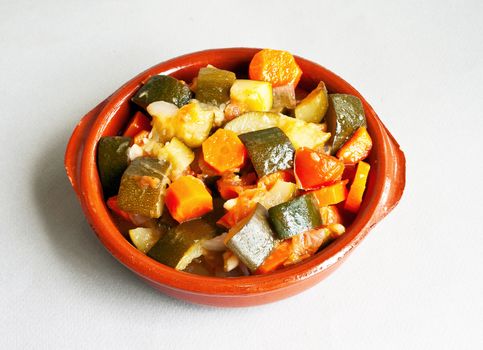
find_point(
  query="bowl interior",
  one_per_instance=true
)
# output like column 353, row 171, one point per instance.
column 117, row 113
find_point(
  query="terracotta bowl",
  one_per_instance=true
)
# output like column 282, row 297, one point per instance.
column 385, row 187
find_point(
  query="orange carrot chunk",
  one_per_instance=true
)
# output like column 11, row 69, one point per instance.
column 357, row 148
column 276, row 258
column 354, row 198
column 187, row 198
column 137, row 124
column 224, row 151
column 332, row 194
column 275, row 66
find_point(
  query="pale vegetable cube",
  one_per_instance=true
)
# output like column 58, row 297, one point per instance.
column 312, row 108
column 164, row 123
column 179, row 155
column 193, row 124
column 252, row 95
column 144, row 238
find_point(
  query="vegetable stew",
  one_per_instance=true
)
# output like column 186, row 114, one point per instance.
column 228, row 177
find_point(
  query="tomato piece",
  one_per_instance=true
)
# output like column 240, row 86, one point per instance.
column 315, row 169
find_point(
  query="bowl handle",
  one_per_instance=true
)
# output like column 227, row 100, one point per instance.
column 75, row 147
column 395, row 177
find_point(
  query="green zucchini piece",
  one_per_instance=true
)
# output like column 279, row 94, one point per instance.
column 344, row 116
column 314, row 106
column 213, row 85
column 144, row 238
column 143, row 186
column 162, row 88
column 183, row 243
column 112, row 160
column 252, row 239
column 270, row 150
column 295, row 216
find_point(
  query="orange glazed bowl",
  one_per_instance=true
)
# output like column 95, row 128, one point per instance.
column 384, row 189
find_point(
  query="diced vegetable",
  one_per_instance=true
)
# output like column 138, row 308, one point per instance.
column 193, row 124
column 313, row 107
column 252, row 239
column 344, row 116
column 224, row 151
column 357, row 148
column 300, row 133
column 143, row 187
column 268, row 181
column 275, row 66
column 252, row 95
column 164, row 119
column 270, row 150
column 354, row 198
column 137, row 124
column 295, row 216
column 243, row 206
column 144, row 238
column 183, row 243
column 303, row 134
column 112, row 160
column 231, row 185
column 162, row 88
column 283, row 98
column 330, row 215
column 306, row 244
column 314, row 169
column 276, row 258
column 331, row 194
column 187, row 198
column 253, row 121
column 179, row 155
column 112, row 204
column 280, row 192
column 213, row 85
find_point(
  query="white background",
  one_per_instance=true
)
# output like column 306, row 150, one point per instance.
column 416, row 282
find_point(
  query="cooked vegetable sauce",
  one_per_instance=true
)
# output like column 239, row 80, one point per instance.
column 230, row 177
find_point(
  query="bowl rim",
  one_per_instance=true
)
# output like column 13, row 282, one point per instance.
column 374, row 207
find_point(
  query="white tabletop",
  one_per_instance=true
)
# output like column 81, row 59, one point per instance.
column 415, row 282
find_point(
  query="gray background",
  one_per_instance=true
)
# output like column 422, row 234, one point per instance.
column 415, row 282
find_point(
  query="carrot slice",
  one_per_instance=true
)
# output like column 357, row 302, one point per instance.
column 137, row 124
column 224, row 151
column 354, row 198
column 187, row 198
column 332, row 194
column 357, row 148
column 275, row 66
column 276, row 258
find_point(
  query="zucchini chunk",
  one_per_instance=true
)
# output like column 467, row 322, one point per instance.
column 344, row 116
column 295, row 216
column 251, row 239
column 144, row 238
column 112, row 160
column 312, row 108
column 143, row 187
column 213, row 85
column 162, row 88
column 270, row 150
column 183, row 243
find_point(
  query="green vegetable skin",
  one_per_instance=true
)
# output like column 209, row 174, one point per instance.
column 112, row 160
column 183, row 243
column 252, row 239
column 295, row 216
column 143, row 186
column 162, row 88
column 213, row 85
column 344, row 116
column 270, row 150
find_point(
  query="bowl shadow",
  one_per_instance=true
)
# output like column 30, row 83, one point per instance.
column 73, row 240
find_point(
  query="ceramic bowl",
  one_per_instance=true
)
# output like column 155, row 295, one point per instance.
column 385, row 187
